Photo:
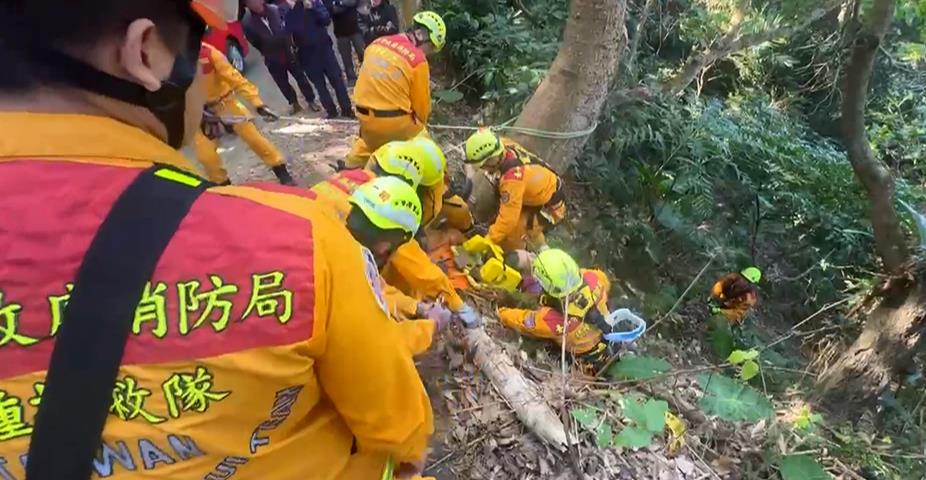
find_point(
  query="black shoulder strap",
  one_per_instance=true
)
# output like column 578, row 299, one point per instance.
column 88, row 349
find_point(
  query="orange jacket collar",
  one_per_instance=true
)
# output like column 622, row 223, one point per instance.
column 82, row 137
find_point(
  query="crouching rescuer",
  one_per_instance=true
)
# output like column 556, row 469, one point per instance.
column 409, row 269
column 530, row 194
column 573, row 299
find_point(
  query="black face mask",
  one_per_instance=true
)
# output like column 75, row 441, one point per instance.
column 168, row 103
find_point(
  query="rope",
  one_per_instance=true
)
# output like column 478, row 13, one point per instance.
column 505, row 126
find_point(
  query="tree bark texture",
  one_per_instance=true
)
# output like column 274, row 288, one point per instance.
column 572, row 94
column 890, row 240
column 408, row 9
column 521, row 394
column 887, row 345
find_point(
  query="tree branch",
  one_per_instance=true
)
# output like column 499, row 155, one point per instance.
column 732, row 42
column 638, row 34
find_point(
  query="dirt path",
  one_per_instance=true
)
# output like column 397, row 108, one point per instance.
column 309, row 145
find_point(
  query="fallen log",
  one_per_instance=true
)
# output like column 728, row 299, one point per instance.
column 520, row 393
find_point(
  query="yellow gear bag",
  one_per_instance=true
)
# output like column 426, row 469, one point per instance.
column 479, row 254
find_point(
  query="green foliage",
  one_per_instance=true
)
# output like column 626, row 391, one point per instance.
column 639, row 368
column 806, row 420
column 587, row 417
column 802, row 467
column 447, row 96
column 591, row 419
column 705, row 168
column 647, row 419
column 506, row 51
column 746, row 359
column 732, row 400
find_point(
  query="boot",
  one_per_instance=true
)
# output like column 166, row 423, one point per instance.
column 226, row 183
column 283, row 175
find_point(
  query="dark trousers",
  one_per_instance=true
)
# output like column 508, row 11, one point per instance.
column 345, row 45
column 319, row 64
column 281, row 72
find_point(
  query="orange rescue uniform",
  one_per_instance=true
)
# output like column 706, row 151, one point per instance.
column 525, row 190
column 266, row 355
column 223, row 86
column 420, row 278
column 547, row 322
column 393, row 95
column 734, row 296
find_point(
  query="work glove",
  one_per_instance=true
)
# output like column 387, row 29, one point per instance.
column 212, row 125
column 436, row 312
column 469, row 316
column 267, row 114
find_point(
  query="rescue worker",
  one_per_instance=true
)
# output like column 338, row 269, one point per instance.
column 734, row 294
column 224, row 84
column 436, row 196
column 581, row 293
column 198, row 344
column 393, row 90
column 410, row 270
column 530, row 194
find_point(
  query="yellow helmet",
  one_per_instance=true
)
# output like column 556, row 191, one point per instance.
column 390, row 204
column 434, row 24
column 557, row 273
column 402, row 159
column 753, row 274
column 482, row 145
column 435, row 163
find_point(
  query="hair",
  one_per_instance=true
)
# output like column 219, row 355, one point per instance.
column 413, row 30
column 76, row 25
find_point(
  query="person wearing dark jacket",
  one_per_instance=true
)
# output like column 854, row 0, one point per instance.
column 381, row 20
column 308, row 26
column 347, row 32
column 264, row 29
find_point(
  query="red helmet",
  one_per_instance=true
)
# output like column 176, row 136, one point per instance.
column 211, row 12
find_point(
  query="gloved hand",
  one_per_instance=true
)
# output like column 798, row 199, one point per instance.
column 435, row 311
column 212, row 125
column 267, row 114
column 469, row 316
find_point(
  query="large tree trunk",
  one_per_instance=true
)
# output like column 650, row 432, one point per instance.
column 572, row 94
column 408, row 9
column 890, row 240
column 887, row 345
column 575, row 88
column 894, row 330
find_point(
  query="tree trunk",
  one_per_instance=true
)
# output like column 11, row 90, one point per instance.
column 571, row 96
column 890, row 240
column 894, row 330
column 408, row 9
column 891, row 337
column 575, row 88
